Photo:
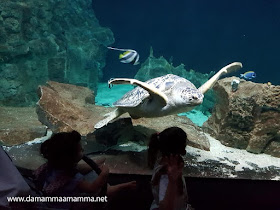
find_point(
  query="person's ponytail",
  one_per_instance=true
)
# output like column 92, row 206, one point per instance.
column 153, row 149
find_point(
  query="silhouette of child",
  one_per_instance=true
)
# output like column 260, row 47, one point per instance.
column 62, row 176
column 168, row 184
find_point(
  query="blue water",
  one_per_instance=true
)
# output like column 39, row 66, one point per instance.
column 205, row 35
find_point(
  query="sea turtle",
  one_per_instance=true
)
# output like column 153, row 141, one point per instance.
column 161, row 96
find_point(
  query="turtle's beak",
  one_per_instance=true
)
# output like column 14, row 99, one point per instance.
column 197, row 99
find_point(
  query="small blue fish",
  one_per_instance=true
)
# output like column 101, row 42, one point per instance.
column 248, row 75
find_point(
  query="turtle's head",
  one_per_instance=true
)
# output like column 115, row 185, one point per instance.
column 189, row 96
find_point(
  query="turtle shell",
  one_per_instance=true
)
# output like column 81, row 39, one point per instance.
column 164, row 83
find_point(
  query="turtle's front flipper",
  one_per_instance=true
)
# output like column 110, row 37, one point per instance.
column 227, row 69
column 110, row 116
column 154, row 92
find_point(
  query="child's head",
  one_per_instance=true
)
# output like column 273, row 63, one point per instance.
column 63, row 150
column 170, row 141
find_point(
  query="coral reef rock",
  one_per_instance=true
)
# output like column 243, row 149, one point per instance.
column 65, row 107
column 157, row 67
column 248, row 118
column 48, row 40
column 19, row 125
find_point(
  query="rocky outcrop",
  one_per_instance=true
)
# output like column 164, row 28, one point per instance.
column 196, row 138
column 48, row 40
column 19, row 125
column 248, row 118
column 125, row 130
column 64, row 107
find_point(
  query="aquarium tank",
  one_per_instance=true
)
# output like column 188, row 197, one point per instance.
column 119, row 71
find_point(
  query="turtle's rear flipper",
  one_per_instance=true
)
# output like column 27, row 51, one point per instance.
column 154, row 92
column 110, row 116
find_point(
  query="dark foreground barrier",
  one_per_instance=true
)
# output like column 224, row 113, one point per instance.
column 205, row 193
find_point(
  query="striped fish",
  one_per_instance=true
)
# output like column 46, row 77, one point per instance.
column 128, row 55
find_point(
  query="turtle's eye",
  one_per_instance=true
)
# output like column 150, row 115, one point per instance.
column 194, row 98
